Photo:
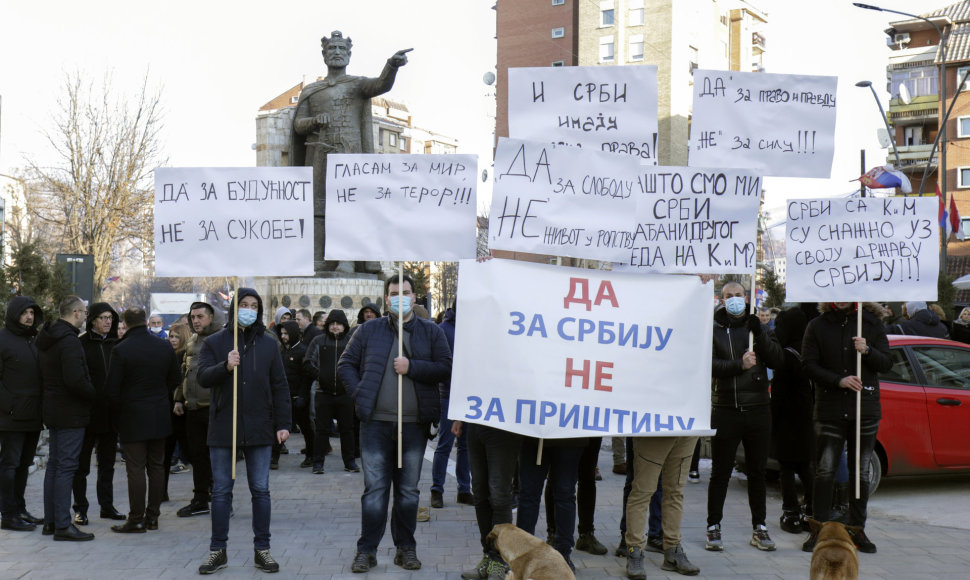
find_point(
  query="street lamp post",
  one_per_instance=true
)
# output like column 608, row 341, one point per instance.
column 942, row 137
column 882, row 113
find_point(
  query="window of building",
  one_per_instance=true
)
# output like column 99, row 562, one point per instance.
column 606, row 48
column 607, row 14
column 558, row 2
column 960, row 73
column 380, row 136
column 294, row 100
column 558, row 32
column 392, row 139
column 403, row 143
column 636, row 47
column 963, row 127
column 963, row 177
column 558, row 63
column 920, row 80
column 635, row 17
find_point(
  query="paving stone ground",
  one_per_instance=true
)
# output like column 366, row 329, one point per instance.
column 316, row 521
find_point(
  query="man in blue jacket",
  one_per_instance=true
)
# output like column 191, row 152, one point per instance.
column 369, row 369
column 263, row 418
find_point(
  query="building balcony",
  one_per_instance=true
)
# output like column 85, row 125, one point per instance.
column 921, row 110
column 913, row 156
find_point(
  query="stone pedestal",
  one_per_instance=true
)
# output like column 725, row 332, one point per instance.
column 349, row 292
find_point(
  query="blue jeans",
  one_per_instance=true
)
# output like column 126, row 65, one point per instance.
column 561, row 464
column 16, row 456
column 446, row 440
column 378, row 456
column 257, row 472
column 64, row 448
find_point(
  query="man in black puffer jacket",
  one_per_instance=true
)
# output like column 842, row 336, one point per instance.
column 20, row 414
column 829, row 358
column 331, row 400
column 68, row 396
column 262, row 415
column 921, row 321
column 741, row 411
column 369, row 369
column 294, row 350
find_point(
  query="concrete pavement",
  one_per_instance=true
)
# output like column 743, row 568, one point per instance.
column 316, row 521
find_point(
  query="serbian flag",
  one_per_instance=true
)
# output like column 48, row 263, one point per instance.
column 956, row 225
column 885, row 177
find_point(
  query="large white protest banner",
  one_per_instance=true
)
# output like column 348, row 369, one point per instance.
column 401, row 207
column 577, row 353
column 599, row 108
column 772, row 124
column 692, row 220
column 234, row 221
column 862, row 249
column 561, row 201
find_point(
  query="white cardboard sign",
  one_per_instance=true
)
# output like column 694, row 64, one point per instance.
column 862, row 249
column 599, row 108
column 772, row 124
column 233, row 221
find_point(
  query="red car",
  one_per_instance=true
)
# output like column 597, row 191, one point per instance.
column 925, row 427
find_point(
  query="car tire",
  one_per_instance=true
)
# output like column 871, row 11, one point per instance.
column 875, row 472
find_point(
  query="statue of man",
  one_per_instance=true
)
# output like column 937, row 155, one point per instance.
column 334, row 116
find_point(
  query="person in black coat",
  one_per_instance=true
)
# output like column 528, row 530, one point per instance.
column 294, row 349
column 262, row 417
column 921, row 321
column 829, row 358
column 331, row 400
column 961, row 327
column 792, row 431
column 143, row 374
column 68, row 396
column 98, row 340
column 20, row 414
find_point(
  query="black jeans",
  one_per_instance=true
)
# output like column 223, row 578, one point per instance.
column 561, row 466
column 492, row 456
column 196, row 434
column 789, row 493
column 17, row 450
column 830, row 438
column 585, row 491
column 328, row 408
column 145, row 458
column 751, row 428
column 106, row 444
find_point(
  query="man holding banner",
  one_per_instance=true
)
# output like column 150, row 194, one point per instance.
column 829, row 355
column 369, row 368
column 264, row 415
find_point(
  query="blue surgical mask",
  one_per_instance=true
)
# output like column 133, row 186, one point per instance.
column 735, row 305
column 399, row 304
column 246, row 316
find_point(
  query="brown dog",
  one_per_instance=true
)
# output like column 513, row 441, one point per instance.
column 834, row 556
column 529, row 557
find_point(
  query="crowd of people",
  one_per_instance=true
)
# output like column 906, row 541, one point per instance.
column 782, row 379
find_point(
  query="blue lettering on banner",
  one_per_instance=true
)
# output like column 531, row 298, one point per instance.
column 495, row 410
column 586, row 330
column 565, row 415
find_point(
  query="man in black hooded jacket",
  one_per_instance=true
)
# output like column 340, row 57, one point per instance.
column 331, row 399
column 101, row 334
column 20, row 412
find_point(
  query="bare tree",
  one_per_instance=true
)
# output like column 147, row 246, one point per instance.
column 481, row 231
column 99, row 196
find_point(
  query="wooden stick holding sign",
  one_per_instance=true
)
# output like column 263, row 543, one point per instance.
column 235, row 371
column 400, row 353
column 858, row 400
column 751, row 303
column 539, row 452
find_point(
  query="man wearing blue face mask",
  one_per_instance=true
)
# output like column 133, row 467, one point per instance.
column 740, row 411
column 369, row 369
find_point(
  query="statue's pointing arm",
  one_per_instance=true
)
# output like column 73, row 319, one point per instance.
column 383, row 83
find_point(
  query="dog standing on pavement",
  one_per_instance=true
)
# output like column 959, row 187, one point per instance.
column 834, row 556
column 528, row 557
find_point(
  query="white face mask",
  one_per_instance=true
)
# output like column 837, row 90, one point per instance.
column 155, row 329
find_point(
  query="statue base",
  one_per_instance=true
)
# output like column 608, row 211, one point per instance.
column 328, row 290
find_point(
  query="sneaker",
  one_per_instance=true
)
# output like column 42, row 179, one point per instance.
column 693, row 477
column 437, row 499
column 791, row 522
column 761, row 540
column 634, row 564
column 193, row 509
column 363, row 562
column 424, row 514
column 265, row 562
column 675, row 560
column 352, row 467
column 809, row 545
column 318, row 468
column 655, row 544
column 597, row 475
column 714, row 543
column 551, row 538
column 283, row 449
column 620, row 551
column 407, row 558
column 274, row 464
column 480, row 571
column 180, row 468
column 465, row 498
column 588, row 543
column 568, row 561
column 863, row 542
column 307, row 462
column 217, row 560
column 496, row 570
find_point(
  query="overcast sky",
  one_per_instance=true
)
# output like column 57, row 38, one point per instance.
column 217, row 62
